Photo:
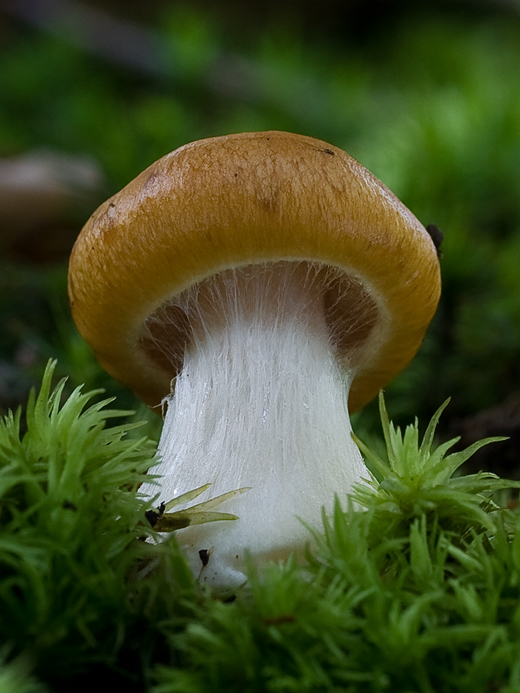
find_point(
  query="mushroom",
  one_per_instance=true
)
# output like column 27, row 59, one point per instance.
column 261, row 285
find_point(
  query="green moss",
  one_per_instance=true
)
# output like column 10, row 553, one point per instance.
column 413, row 584
column 70, row 535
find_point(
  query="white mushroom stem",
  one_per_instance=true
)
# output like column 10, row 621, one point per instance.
column 261, row 402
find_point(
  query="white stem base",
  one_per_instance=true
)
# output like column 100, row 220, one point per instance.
column 260, row 402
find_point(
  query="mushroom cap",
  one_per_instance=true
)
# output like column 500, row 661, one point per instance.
column 246, row 199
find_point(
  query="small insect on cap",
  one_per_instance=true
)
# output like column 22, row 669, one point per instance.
column 249, row 199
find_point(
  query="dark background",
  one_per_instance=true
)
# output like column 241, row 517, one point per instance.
column 427, row 97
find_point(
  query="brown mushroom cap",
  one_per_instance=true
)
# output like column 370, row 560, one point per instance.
column 248, row 199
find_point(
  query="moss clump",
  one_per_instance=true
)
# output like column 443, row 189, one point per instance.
column 413, row 584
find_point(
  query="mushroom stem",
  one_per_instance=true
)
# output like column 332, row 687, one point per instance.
column 261, row 401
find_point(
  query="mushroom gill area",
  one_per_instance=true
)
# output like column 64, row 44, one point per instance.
column 346, row 306
column 263, row 358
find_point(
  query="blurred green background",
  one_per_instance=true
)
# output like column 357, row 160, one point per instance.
column 426, row 95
